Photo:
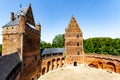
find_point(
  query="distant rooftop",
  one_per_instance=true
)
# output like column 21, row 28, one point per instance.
column 7, row 64
column 22, row 11
column 52, row 50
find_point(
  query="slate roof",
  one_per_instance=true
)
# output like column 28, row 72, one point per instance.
column 22, row 11
column 12, row 23
column 52, row 50
column 7, row 64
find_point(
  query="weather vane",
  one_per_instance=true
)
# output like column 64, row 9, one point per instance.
column 20, row 5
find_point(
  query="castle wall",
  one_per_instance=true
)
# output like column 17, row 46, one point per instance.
column 11, row 39
column 104, row 62
column 31, row 54
column 51, row 63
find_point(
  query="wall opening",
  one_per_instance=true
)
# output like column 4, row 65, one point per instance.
column 112, row 66
column 75, row 63
column 78, row 52
column 32, row 79
column 48, row 66
column 43, row 71
column 93, row 65
column 53, row 64
column 101, row 65
column 58, row 62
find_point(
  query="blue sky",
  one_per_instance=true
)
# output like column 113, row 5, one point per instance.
column 96, row 18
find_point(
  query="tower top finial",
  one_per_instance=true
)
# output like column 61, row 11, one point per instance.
column 20, row 5
column 30, row 4
column 73, row 18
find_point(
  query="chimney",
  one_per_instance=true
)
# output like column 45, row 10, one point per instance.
column 22, row 22
column 12, row 16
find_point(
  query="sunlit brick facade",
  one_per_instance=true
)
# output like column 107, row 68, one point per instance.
column 73, row 43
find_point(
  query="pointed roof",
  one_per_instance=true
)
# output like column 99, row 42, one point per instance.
column 74, row 25
column 73, row 19
column 22, row 11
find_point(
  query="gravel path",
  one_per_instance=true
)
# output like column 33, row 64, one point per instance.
column 80, row 73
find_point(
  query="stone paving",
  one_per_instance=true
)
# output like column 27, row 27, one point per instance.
column 80, row 73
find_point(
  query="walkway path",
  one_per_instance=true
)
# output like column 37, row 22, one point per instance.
column 80, row 73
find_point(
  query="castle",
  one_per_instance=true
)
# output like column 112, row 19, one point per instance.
column 24, row 60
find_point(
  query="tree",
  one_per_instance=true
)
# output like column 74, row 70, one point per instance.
column 44, row 44
column 102, row 45
column 58, row 41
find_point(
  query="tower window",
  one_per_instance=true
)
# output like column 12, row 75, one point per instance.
column 32, row 79
column 78, row 44
column 69, row 35
column 33, row 43
column 24, row 64
column 78, row 52
column 78, row 35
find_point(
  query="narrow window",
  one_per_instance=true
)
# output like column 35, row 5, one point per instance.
column 32, row 79
column 78, row 44
column 69, row 35
column 24, row 64
column 78, row 35
column 78, row 52
column 33, row 43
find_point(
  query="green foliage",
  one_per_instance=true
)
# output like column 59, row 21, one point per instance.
column 44, row 44
column 0, row 49
column 58, row 41
column 102, row 46
column 64, row 54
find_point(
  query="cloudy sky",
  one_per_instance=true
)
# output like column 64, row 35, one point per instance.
column 96, row 18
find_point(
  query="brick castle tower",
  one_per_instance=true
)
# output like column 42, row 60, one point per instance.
column 73, row 43
column 21, row 35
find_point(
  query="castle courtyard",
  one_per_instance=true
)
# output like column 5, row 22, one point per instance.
column 80, row 73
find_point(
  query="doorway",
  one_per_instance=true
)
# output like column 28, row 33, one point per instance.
column 75, row 63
